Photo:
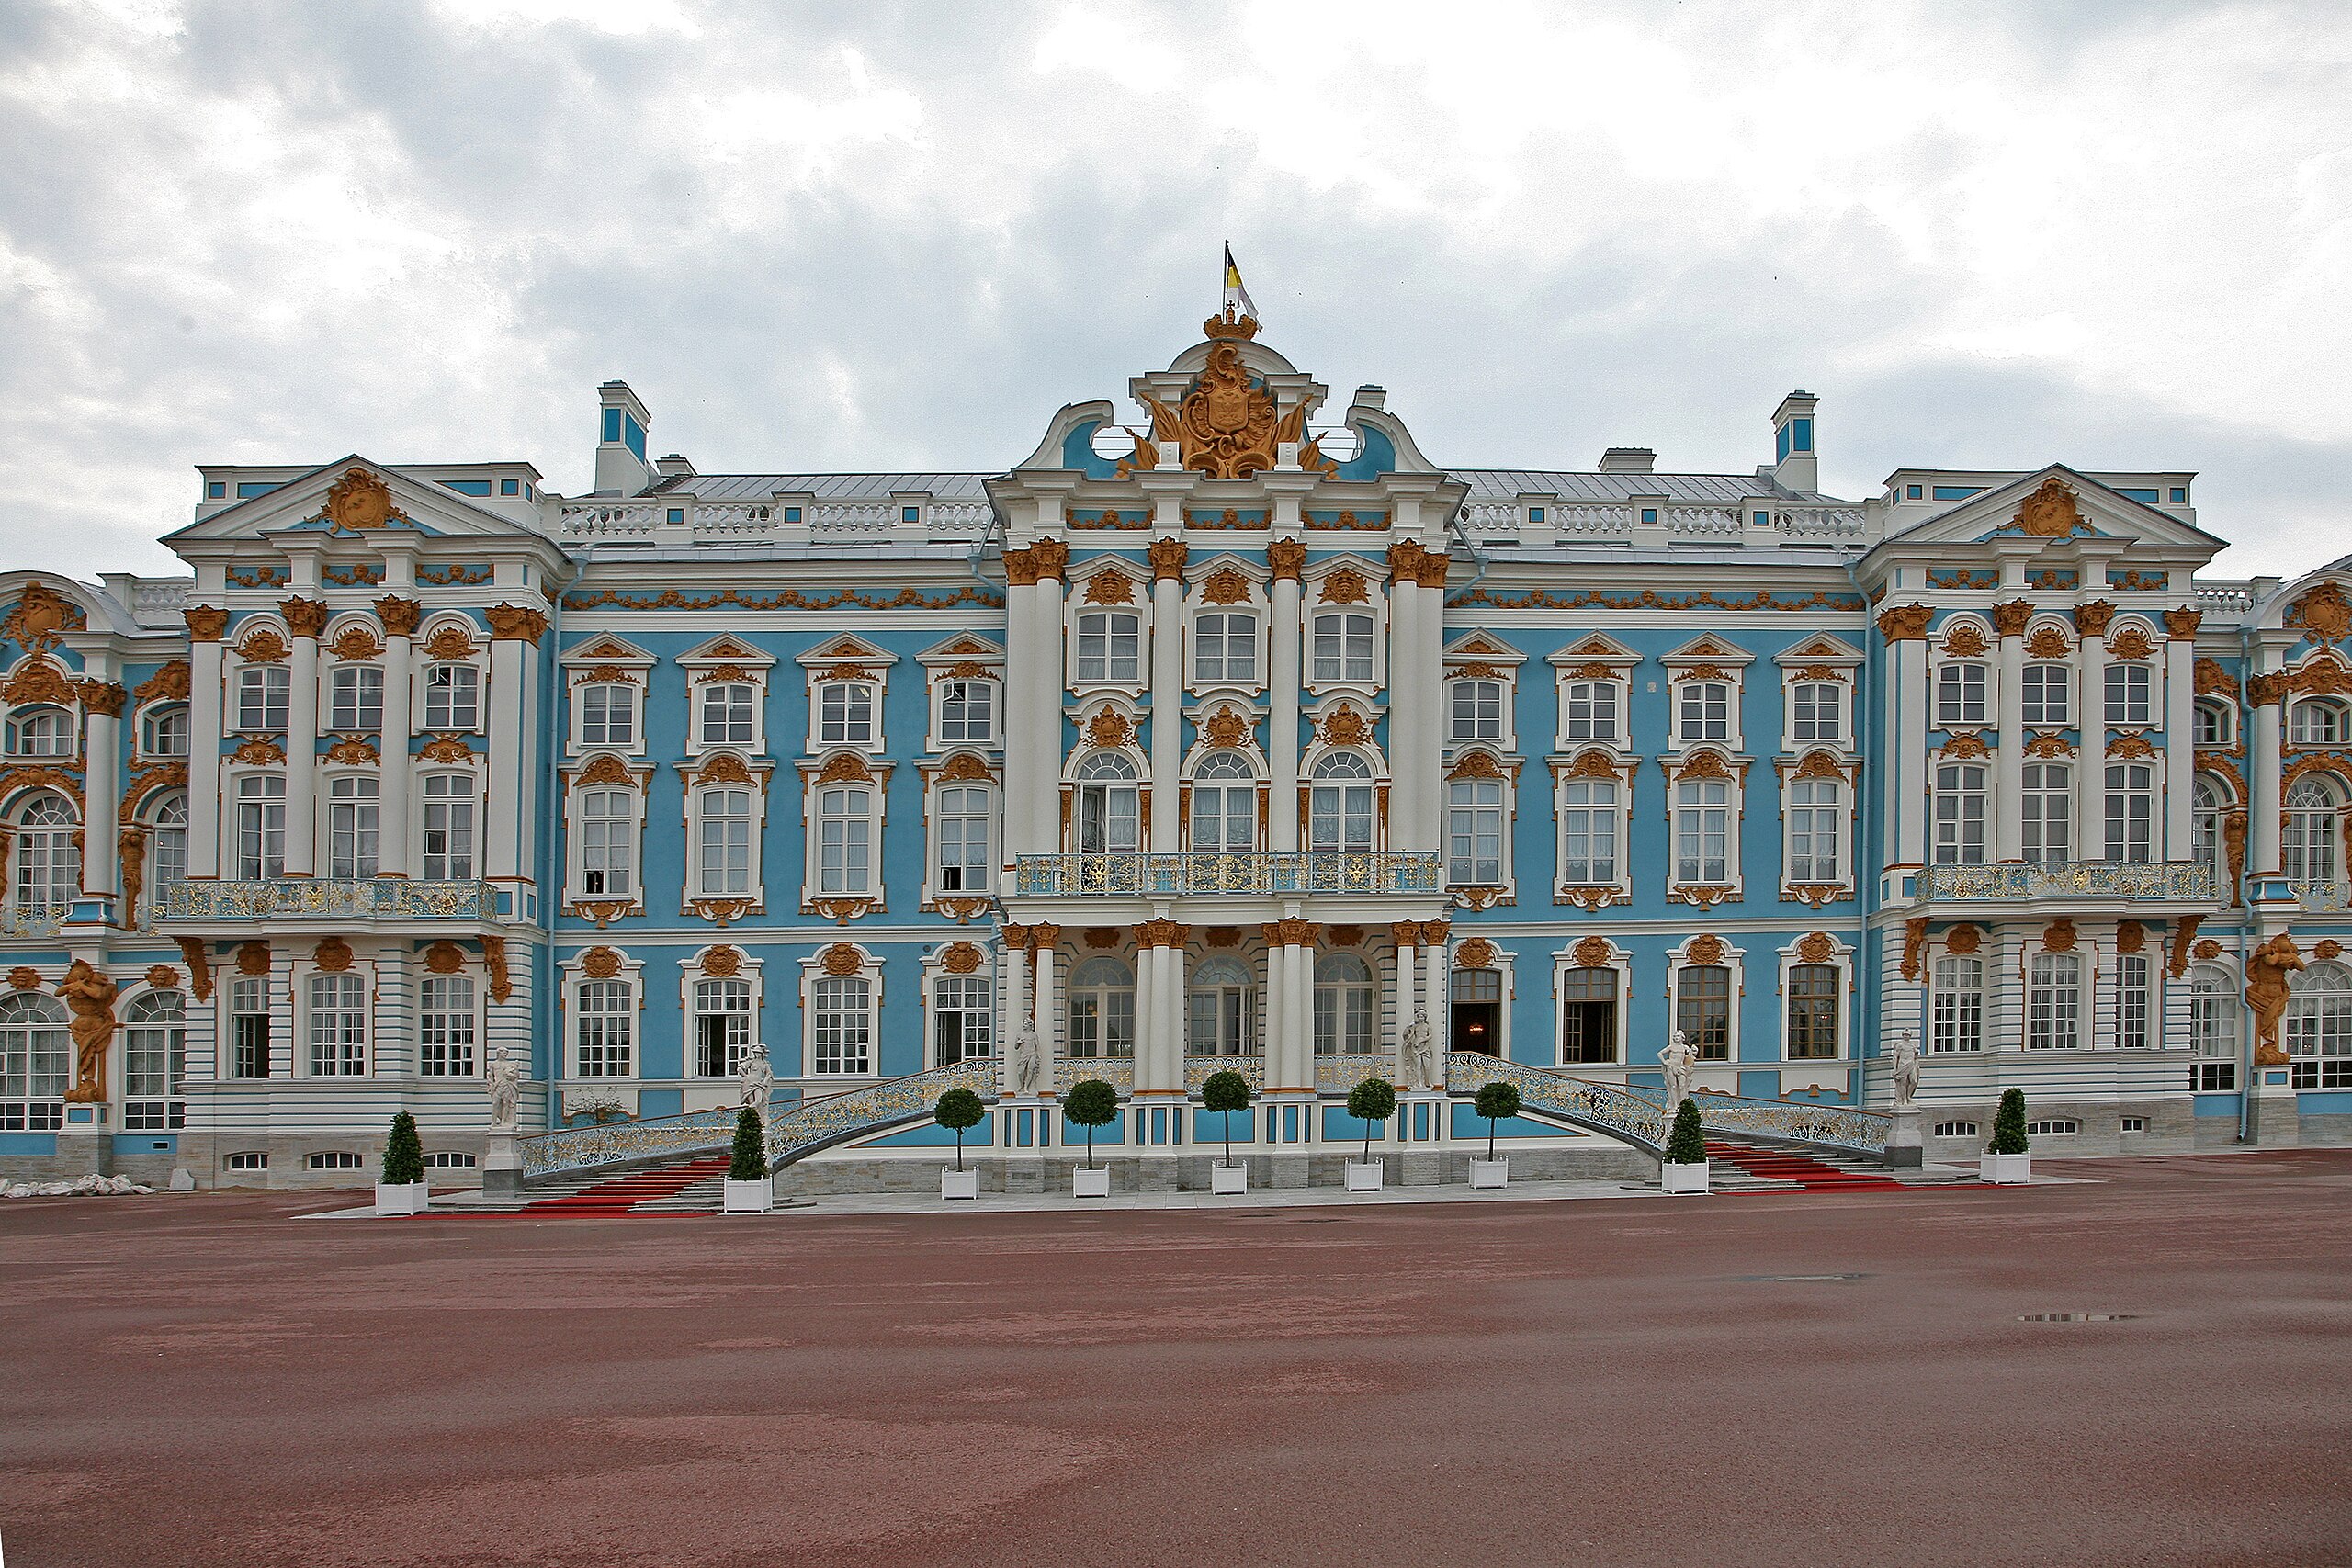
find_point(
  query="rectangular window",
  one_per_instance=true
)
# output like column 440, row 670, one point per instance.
column 965, row 865
column 449, row 827
column 1592, row 710
column 338, row 1025
column 261, row 825
column 1813, row 1012
column 1702, row 832
column 1960, row 696
column 2213, row 1005
column 2049, row 695
column 723, row 843
column 1110, row 646
column 2133, row 1000
column 609, row 843
column 845, row 714
column 1955, row 1130
column 608, row 713
column 263, row 693
column 355, row 699
column 962, row 1018
column 1225, row 649
column 1588, row 832
column 452, row 697
column 2053, row 1017
column 1478, row 710
column 845, row 845
column 968, row 713
column 2128, row 701
column 726, row 713
column 2130, row 803
column 605, row 1029
column 1474, row 833
column 352, row 811
column 2048, row 811
column 842, row 1023
column 1343, row 648
column 1819, row 712
column 1960, row 815
column 1956, row 1006
column 722, row 1027
column 444, row 1027
column 1816, row 815
column 1705, row 709
column 1702, row 1009
column 249, row 1028
column 1589, row 1017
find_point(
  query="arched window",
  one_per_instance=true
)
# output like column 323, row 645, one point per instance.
column 154, row 1053
column 2131, row 806
column 261, row 825
column 2213, row 1007
column 842, row 1022
column 1342, row 648
column 1704, row 710
column 36, row 1062
column 963, row 1025
column 2214, row 725
column 452, row 697
column 1101, row 1010
column 1109, row 809
column 41, row 732
column 49, row 866
column 609, row 843
column 352, row 807
column 1225, row 804
column 163, row 732
column 1345, row 1006
column 2208, row 807
column 1225, row 647
column 1702, row 1009
column 723, row 841
column 1110, row 645
column 2047, row 691
column 445, row 1026
column 2307, row 842
column 262, row 693
column 2317, row 1033
column 1813, row 1011
column 1960, row 696
column 1592, row 710
column 964, row 864
column 1474, row 833
column 1703, row 832
column 1221, row 1009
column 2048, row 812
column 449, row 827
column 1588, row 832
column 1960, row 814
column 1956, row 1005
column 168, row 849
column 2053, row 1002
column 1478, row 710
column 1339, row 804
column 2318, row 721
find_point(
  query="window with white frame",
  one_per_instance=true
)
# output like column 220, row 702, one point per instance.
column 1340, row 812
column 1345, row 1006
column 722, row 1026
column 445, row 1026
column 334, row 1159
column 1110, row 645
column 840, row 1021
column 968, row 713
column 154, row 1054
column 2134, row 1001
column 1817, row 713
column 1225, row 647
column 2214, row 1004
column 1703, row 832
column 1816, row 821
column 1956, row 1005
column 961, row 812
column 1702, row 1009
column 2053, row 1001
column 246, row 1159
column 1474, row 833
column 1955, row 1129
column 1960, row 696
column 2307, row 850
column 724, row 714
column 163, row 732
column 338, row 1017
column 168, row 849
column 36, row 1062
column 1703, row 710
column 844, row 712
column 963, row 1019
column 264, row 693
column 448, row 827
column 2047, row 807
column 1589, row 1017
column 2128, row 701
column 2215, row 723
column 1478, row 710
column 2317, row 1031
column 2049, row 694
column 48, row 863
column 452, row 697
column 249, row 1027
column 352, row 821
column 607, row 843
column 1109, row 806
column 355, row 699
column 1960, row 814
column 1592, row 709
column 1811, row 992
column 1102, row 1008
column 1589, row 832
column 1343, row 647
column 261, row 825
column 608, row 713
column 2130, row 797
column 2054, row 1127
column 604, row 1029
column 1220, row 1009
column 41, row 732
column 2317, row 722
column 723, row 825
column 2206, row 844
column 1225, row 805
column 845, row 838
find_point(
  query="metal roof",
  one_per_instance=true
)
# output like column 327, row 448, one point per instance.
column 825, row 487
column 1485, row 484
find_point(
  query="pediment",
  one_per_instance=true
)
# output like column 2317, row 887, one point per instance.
column 354, row 498
column 962, row 648
column 2056, row 505
column 606, row 648
column 726, row 649
column 1707, row 645
column 1599, row 647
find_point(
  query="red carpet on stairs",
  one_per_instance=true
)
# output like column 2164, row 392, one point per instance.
column 1813, row 1175
column 623, row 1193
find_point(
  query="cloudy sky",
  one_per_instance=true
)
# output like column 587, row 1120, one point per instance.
column 842, row 236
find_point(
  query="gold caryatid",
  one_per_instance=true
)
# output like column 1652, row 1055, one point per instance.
column 1228, row 426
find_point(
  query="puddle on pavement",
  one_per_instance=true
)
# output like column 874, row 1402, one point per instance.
column 2077, row 1317
column 1796, row 1279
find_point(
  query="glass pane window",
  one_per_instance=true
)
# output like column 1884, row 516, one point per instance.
column 1588, row 832
column 1592, row 710
column 2307, row 844
column 1340, row 814
column 1225, row 647
column 1103, row 1009
column 1819, row 711
column 261, row 825
column 722, row 1027
column 1478, row 710
column 2214, row 726
column 844, row 840
column 2214, row 1004
column 1813, row 1011
column 1474, row 833
column 1704, row 707
column 1343, row 648
column 154, row 1054
column 1956, row 1005
column 963, row 1019
column 965, row 864
column 1960, row 696
column 444, row 1027
column 1703, row 832
column 967, row 712
column 2049, row 694
column 449, row 827
column 2128, row 701
column 2317, row 1031
column 1960, row 815
column 42, row 732
column 264, row 693
column 844, row 713
column 605, row 1029
column 47, row 861
column 1816, row 816
column 1225, row 805
column 36, row 1062
column 1221, row 1009
column 249, row 1028
column 166, row 733
column 609, row 843
column 1702, row 1009
column 608, row 713
column 725, row 713
column 2053, row 1002
column 2133, row 1000
column 841, row 1019
column 1589, row 1017
column 338, row 1025
column 2317, row 722
column 2129, row 802
column 1344, row 1003
column 2048, row 809
column 1110, row 646
column 355, row 697
column 352, row 809
column 723, row 840
column 168, row 849
column 452, row 697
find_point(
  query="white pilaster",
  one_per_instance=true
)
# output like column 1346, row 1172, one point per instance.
column 2262, row 781
column 2090, row 776
column 1426, row 681
column 511, row 662
column 102, row 739
column 1908, row 693
column 302, row 822
column 1012, row 1005
column 2008, row 763
column 1167, row 708
column 1045, row 718
column 397, row 850
column 1403, row 991
column 2180, row 742
column 204, row 759
column 1284, row 629
column 1409, row 735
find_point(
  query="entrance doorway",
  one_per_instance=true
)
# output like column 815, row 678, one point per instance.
column 1478, row 1010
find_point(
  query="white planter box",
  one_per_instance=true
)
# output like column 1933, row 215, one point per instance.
column 747, row 1197
column 959, row 1184
column 2007, row 1170
column 1675, row 1177
column 1094, row 1183
column 401, row 1197
column 1363, row 1178
column 1491, row 1173
column 1228, row 1179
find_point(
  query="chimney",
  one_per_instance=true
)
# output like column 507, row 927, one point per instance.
column 621, row 469
column 1628, row 460
column 673, row 467
column 1794, row 464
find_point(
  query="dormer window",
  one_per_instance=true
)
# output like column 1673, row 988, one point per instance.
column 1110, row 645
column 452, row 697
column 845, row 714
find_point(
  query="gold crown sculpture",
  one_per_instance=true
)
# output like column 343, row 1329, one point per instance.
column 1229, row 325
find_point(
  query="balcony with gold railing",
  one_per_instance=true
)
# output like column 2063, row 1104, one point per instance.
column 2167, row 882
column 297, row 898
column 1261, row 874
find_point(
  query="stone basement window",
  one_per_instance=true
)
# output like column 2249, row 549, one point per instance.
column 446, row 1160
column 334, row 1159
column 248, row 1161
column 2056, row 1127
column 2135, row 1123
column 1955, row 1129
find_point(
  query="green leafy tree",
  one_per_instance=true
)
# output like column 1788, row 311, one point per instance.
column 1373, row 1101
column 2009, row 1124
column 1090, row 1103
column 749, row 1159
column 1688, row 1145
column 960, row 1111
column 1227, row 1091
column 403, row 1156
column 1495, row 1101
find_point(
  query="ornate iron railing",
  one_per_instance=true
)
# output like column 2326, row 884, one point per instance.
column 1119, row 1072
column 2177, row 879
column 1337, row 1074
column 1320, row 871
column 2322, row 898
column 1604, row 1108
column 619, row 1143
column 1198, row 1070
column 807, row 1128
column 1791, row 1120
column 1638, row 1114
column 39, row 920
column 383, row 897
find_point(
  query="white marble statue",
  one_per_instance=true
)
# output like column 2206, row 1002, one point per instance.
column 503, row 1081
column 1028, row 1058
column 756, row 1082
column 1420, row 1051
column 1680, row 1065
column 1903, row 1063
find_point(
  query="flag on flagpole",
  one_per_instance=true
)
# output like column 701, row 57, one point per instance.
column 1237, row 302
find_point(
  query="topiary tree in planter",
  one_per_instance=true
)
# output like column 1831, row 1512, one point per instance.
column 1687, row 1144
column 1227, row 1091
column 1090, row 1103
column 1374, row 1100
column 960, row 1111
column 404, row 1155
column 2008, row 1125
column 1495, row 1101
column 749, row 1160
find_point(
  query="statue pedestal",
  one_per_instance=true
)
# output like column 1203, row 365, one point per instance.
column 85, row 1143
column 502, row 1162
column 1904, row 1147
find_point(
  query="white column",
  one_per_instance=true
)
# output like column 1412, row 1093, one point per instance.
column 204, row 732
column 1434, row 999
column 2262, row 770
column 1167, row 692
column 2008, row 763
column 2180, row 732
column 1282, row 731
column 513, row 668
column 1408, row 734
column 1012, row 1003
column 396, row 850
column 102, row 703
column 1404, row 990
column 1172, row 982
column 1301, row 1010
column 2090, row 774
column 1906, row 631
column 302, row 824
column 1048, row 1007
column 1426, row 681
column 1275, row 1046
column 1022, row 726
column 1044, row 717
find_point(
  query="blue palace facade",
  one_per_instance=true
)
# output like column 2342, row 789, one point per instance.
column 1242, row 736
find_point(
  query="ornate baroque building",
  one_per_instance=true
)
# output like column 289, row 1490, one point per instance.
column 1244, row 739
